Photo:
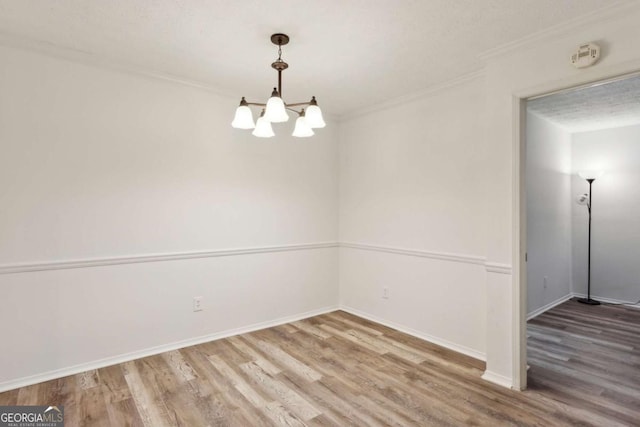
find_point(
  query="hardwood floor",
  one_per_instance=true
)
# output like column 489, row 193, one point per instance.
column 336, row 370
column 588, row 356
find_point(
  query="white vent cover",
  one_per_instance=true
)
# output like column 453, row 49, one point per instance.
column 586, row 55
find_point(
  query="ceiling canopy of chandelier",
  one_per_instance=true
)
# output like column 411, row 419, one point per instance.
column 275, row 110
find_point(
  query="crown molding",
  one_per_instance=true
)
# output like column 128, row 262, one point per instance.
column 612, row 11
column 609, row 12
column 415, row 96
column 88, row 58
column 135, row 259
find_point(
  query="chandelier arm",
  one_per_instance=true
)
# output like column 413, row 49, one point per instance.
column 297, row 104
column 293, row 109
column 257, row 104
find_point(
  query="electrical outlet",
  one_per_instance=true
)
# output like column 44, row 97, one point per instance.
column 197, row 304
column 385, row 293
column 545, row 282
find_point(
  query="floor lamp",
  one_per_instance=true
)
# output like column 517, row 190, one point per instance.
column 590, row 177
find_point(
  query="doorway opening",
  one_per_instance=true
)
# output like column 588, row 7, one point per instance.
column 580, row 233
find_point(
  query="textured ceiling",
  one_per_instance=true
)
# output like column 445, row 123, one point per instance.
column 602, row 106
column 349, row 53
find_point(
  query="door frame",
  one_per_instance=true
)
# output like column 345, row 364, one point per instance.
column 519, row 206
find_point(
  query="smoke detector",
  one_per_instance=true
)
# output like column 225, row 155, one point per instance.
column 586, row 55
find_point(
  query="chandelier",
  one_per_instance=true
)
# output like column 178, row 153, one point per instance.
column 275, row 110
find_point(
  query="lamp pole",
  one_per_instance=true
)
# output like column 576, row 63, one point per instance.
column 588, row 299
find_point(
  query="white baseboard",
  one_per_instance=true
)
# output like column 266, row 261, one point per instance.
column 418, row 334
column 549, row 306
column 113, row 360
column 101, row 363
column 607, row 300
column 559, row 301
column 498, row 379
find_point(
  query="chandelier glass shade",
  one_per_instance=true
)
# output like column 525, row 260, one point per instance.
column 313, row 115
column 302, row 128
column 243, row 118
column 275, row 109
column 263, row 128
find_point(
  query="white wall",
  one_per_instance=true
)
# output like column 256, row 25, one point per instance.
column 412, row 178
column 615, row 238
column 256, row 181
column 98, row 164
column 549, row 202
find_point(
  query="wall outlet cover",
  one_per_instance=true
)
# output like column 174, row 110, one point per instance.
column 197, row 304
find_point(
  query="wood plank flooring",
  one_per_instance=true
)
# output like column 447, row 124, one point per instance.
column 588, row 356
column 339, row 370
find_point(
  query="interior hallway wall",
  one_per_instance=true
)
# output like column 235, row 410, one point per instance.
column 615, row 238
column 549, row 202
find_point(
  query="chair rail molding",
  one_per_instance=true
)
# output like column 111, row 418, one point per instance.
column 175, row 256
column 499, row 268
column 445, row 256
